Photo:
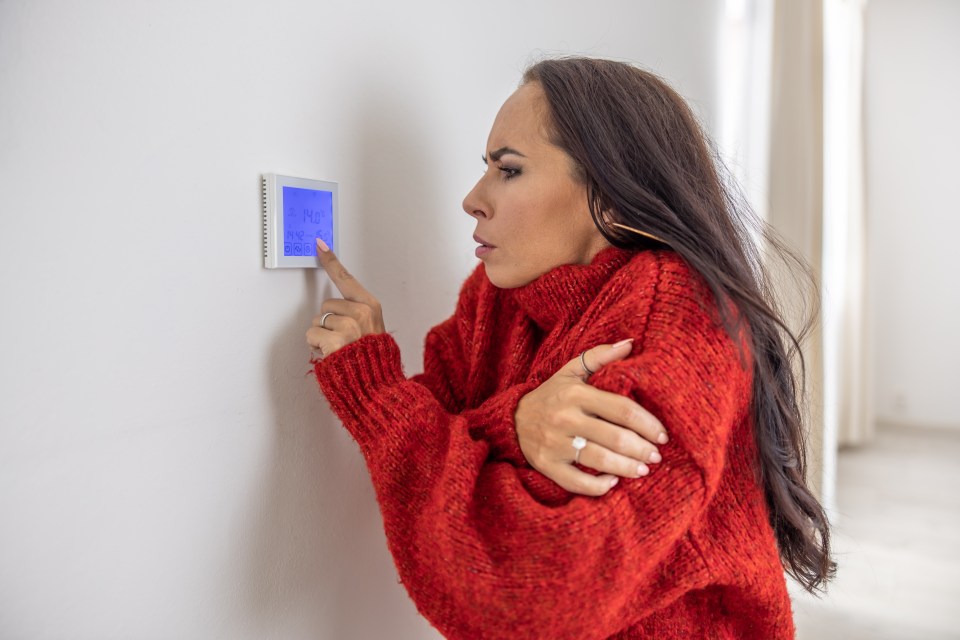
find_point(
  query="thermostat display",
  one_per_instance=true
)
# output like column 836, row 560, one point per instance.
column 297, row 211
column 307, row 215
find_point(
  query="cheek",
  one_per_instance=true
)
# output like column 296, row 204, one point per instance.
column 540, row 229
column 533, row 250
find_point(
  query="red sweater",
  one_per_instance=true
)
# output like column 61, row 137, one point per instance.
column 489, row 548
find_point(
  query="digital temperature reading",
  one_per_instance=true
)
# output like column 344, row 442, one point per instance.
column 297, row 211
column 307, row 215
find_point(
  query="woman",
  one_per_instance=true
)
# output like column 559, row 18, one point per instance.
column 527, row 489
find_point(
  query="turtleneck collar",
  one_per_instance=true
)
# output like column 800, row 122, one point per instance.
column 566, row 291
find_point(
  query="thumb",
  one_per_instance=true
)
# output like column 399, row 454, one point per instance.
column 600, row 356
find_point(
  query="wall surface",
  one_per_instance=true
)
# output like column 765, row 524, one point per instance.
column 913, row 134
column 167, row 468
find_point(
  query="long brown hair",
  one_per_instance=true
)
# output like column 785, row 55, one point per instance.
column 647, row 164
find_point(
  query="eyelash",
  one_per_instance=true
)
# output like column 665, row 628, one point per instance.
column 509, row 172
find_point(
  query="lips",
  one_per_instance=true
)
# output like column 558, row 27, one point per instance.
column 484, row 248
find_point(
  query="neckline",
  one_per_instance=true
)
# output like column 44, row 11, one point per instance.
column 566, row 291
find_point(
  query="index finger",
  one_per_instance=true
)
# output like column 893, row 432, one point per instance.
column 348, row 286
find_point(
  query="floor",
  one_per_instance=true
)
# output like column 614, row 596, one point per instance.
column 897, row 542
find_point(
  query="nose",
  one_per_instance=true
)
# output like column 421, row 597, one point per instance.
column 475, row 204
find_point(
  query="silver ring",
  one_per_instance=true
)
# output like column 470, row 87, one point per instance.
column 323, row 319
column 578, row 444
column 583, row 363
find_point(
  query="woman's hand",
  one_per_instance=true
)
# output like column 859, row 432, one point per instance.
column 343, row 321
column 619, row 433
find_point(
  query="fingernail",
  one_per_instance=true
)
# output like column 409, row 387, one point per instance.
column 655, row 457
column 614, row 481
column 322, row 245
column 662, row 438
column 621, row 343
column 642, row 469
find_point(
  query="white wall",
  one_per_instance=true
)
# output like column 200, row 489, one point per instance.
column 167, row 469
column 913, row 138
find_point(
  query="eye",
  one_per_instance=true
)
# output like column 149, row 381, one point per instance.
column 509, row 172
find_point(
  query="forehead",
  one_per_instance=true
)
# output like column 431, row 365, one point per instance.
column 521, row 120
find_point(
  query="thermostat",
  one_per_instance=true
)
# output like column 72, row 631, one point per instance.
column 297, row 211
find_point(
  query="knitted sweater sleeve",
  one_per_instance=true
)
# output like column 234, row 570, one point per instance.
column 479, row 554
column 446, row 352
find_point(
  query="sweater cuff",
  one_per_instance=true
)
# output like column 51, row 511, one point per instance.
column 353, row 376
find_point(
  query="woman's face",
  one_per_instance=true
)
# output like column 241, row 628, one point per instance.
column 531, row 211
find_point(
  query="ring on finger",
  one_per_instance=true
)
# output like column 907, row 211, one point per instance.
column 583, row 363
column 579, row 442
column 323, row 319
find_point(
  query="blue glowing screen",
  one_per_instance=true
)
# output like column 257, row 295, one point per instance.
column 307, row 215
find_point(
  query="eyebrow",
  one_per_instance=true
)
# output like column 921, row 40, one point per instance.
column 502, row 151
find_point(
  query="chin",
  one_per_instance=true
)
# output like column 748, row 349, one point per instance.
column 507, row 278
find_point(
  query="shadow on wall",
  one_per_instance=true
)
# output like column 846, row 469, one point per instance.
column 317, row 564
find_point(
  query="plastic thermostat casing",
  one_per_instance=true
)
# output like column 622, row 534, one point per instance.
column 297, row 211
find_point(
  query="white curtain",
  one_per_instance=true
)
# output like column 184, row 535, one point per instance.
column 791, row 131
column 847, row 326
column 771, row 133
column 795, row 194
column 744, row 71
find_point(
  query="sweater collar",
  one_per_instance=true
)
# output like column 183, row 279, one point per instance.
column 566, row 291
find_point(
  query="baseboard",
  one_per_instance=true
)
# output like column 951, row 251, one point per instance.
column 910, row 424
